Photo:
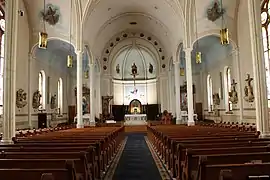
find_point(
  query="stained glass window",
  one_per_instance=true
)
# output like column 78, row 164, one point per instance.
column 60, row 96
column 2, row 56
column 210, row 93
column 265, row 20
column 42, row 89
column 229, row 86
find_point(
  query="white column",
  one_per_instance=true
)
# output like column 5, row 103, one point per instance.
column 240, row 90
column 92, row 103
column 189, row 87
column 11, row 37
column 177, row 91
column 260, row 88
column 29, row 97
column 80, row 123
column 170, row 92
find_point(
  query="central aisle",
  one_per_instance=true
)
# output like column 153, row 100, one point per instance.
column 136, row 162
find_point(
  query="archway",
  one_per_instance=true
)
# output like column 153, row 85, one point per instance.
column 135, row 107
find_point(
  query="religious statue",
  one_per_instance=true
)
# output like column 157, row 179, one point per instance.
column 134, row 69
column 51, row 14
column 216, row 99
column 233, row 97
column 214, row 12
column 249, row 96
column 53, row 102
column 151, row 68
column 84, row 105
column 117, row 68
column 105, row 106
column 36, row 99
column 21, row 98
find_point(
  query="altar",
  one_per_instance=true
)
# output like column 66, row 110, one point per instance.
column 135, row 119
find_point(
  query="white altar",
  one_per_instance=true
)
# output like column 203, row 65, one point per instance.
column 135, row 119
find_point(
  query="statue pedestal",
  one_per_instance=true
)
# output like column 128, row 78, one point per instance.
column 86, row 120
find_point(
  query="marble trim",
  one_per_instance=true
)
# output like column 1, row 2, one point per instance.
column 164, row 173
column 112, row 167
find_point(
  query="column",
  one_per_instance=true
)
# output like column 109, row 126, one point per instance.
column 29, row 97
column 92, row 89
column 9, row 121
column 240, row 90
column 189, row 87
column 177, row 92
column 170, row 91
column 80, row 123
column 260, row 88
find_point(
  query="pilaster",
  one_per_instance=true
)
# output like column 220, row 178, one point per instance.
column 189, row 87
column 260, row 88
column 11, row 37
column 177, row 91
column 92, row 103
column 80, row 123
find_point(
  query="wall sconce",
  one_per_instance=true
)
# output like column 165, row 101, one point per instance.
column 198, row 57
column 69, row 61
column 224, row 36
column 42, row 40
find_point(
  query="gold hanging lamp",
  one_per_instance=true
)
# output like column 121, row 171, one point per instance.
column 86, row 74
column 198, row 57
column 43, row 36
column 182, row 71
column 224, row 36
column 198, row 53
column 224, row 32
column 70, row 57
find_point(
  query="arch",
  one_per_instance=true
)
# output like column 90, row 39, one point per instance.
column 60, row 96
column 51, row 38
column 89, row 54
column 213, row 33
column 135, row 106
column 42, row 88
column 210, row 93
column 227, row 88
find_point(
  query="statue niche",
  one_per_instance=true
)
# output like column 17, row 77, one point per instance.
column 36, row 99
column 135, row 107
column 151, row 68
column 233, row 97
column 21, row 100
column 249, row 96
column 183, row 97
column 117, row 68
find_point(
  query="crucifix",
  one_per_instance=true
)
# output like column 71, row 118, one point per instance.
column 134, row 73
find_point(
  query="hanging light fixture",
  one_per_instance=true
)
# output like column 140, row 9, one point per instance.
column 198, row 57
column 70, row 57
column 86, row 74
column 198, row 53
column 43, row 36
column 69, row 61
column 182, row 71
column 224, row 32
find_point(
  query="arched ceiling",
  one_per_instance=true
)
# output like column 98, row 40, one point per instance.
column 160, row 17
column 104, row 18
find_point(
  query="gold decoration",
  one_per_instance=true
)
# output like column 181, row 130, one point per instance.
column 86, row 74
column 224, row 36
column 69, row 61
column 198, row 57
column 182, row 71
column 43, row 40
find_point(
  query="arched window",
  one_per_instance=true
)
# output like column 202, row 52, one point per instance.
column 228, row 85
column 60, row 96
column 210, row 93
column 42, row 89
column 2, row 56
column 265, row 20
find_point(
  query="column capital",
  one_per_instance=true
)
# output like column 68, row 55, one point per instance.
column 176, row 62
column 188, row 50
column 78, row 52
